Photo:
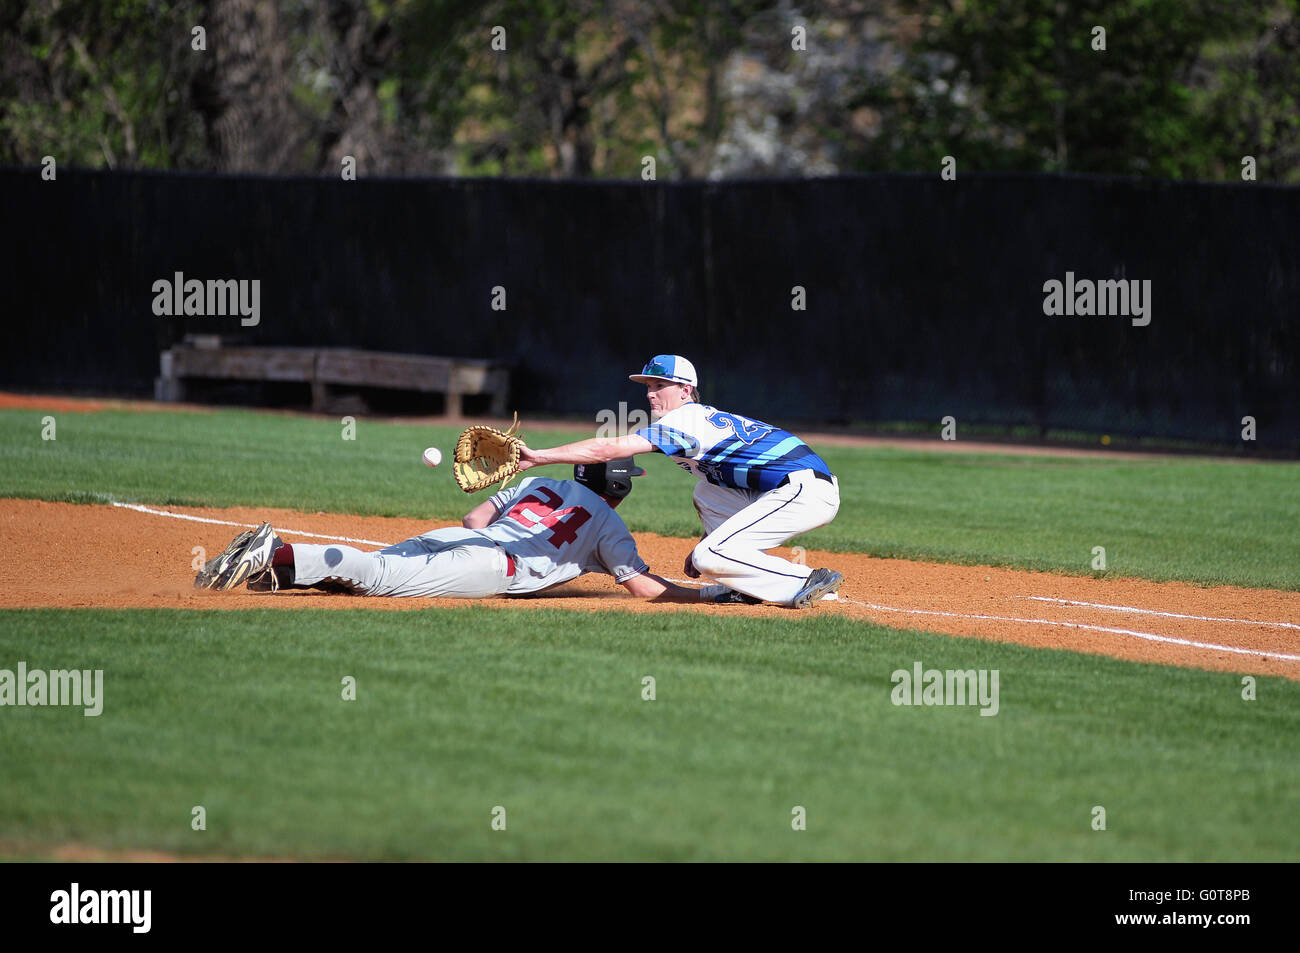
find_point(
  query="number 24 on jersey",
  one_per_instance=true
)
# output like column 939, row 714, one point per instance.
column 533, row 509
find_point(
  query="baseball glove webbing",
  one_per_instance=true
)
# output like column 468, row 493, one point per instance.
column 486, row 455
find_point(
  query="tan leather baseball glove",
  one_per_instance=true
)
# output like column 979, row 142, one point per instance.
column 486, row 455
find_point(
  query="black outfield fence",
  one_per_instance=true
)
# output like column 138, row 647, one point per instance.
column 923, row 298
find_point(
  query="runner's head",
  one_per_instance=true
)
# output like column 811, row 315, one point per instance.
column 611, row 480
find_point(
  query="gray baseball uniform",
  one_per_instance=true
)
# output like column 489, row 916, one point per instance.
column 545, row 533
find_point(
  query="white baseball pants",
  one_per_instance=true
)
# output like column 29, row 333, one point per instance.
column 451, row 562
column 740, row 524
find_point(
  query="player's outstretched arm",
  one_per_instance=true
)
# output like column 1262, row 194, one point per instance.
column 480, row 516
column 657, row 589
column 592, row 450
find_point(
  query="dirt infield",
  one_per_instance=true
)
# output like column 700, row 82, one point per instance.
column 141, row 557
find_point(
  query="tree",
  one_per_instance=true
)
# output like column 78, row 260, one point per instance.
column 710, row 88
column 98, row 83
column 1021, row 85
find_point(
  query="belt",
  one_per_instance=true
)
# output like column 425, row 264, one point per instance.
column 817, row 473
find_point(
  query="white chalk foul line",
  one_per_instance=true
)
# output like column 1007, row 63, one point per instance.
column 870, row 605
column 1151, row 636
column 279, row 529
column 1172, row 615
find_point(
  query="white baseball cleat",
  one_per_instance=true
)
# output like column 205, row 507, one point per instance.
column 251, row 559
column 213, row 568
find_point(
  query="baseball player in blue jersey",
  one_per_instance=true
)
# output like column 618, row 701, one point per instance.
column 525, row 539
column 758, row 485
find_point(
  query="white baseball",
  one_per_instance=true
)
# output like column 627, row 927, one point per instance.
column 432, row 457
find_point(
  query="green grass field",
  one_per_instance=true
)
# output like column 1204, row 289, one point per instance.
column 459, row 711
column 1203, row 521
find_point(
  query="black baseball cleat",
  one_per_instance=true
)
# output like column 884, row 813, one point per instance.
column 251, row 559
column 731, row 595
column 820, row 583
column 213, row 568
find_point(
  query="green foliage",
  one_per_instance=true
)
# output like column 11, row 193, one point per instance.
column 1183, row 89
column 100, row 84
column 1019, row 86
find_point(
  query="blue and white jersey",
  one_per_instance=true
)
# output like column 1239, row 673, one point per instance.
column 730, row 450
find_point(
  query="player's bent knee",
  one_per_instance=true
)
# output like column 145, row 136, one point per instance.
column 708, row 561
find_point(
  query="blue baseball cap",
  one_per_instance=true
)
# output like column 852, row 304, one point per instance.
column 667, row 367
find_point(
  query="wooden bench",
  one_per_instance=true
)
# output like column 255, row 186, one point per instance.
column 323, row 367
